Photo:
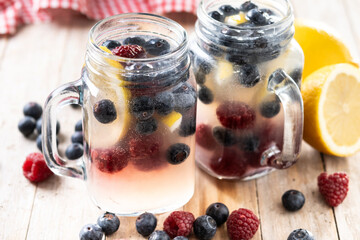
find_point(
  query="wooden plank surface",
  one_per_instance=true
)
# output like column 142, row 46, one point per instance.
column 58, row 208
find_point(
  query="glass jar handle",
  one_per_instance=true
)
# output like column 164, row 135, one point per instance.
column 289, row 94
column 66, row 94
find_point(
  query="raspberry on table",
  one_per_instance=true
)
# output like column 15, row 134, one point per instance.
column 204, row 136
column 129, row 51
column 35, row 168
column 110, row 160
column 242, row 224
column 179, row 223
column 333, row 187
column 235, row 115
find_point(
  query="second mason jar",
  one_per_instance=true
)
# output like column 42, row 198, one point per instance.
column 248, row 69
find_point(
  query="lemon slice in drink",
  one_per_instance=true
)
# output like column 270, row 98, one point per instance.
column 172, row 120
column 332, row 109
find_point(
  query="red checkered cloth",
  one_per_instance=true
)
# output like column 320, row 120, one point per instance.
column 17, row 12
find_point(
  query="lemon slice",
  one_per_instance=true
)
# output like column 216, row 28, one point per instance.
column 224, row 72
column 321, row 44
column 236, row 19
column 332, row 109
column 172, row 120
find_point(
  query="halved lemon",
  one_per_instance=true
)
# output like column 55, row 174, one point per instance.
column 332, row 109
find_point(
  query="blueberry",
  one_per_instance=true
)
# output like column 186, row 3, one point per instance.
column 269, row 109
column 111, row 44
column 27, row 125
column 187, row 126
column 77, row 137
column 91, row 232
column 260, row 42
column 157, row 46
column 146, row 224
column 205, row 95
column 200, row 77
column 39, row 142
column 217, row 16
column 204, row 67
column 248, row 75
column 267, row 11
column 39, row 126
column 146, row 127
column 296, row 75
column 78, row 126
column 109, row 223
column 224, row 136
column 293, row 200
column 301, row 234
column 184, row 97
column 180, row 238
column 177, row 153
column 32, row 109
column 159, row 235
column 142, row 107
column 248, row 5
column 248, row 143
column 219, row 212
column 104, row 111
column 74, row 151
column 164, row 103
column 204, row 227
column 228, row 10
column 257, row 17
column 134, row 41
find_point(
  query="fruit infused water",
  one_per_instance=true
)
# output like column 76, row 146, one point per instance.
column 249, row 114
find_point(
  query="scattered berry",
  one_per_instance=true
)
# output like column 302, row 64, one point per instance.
column 157, row 46
column 248, row 143
column 246, row 6
column 129, row 51
column 134, row 41
column 33, row 109
column 164, row 103
column 217, row 16
column 39, row 142
column 187, row 126
column 39, row 125
column 146, row 224
column 229, row 164
column 205, row 95
column 74, row 151
column 159, row 235
column 242, row 224
column 301, row 234
column 109, row 223
column 219, row 212
column 185, row 97
column 293, row 200
column 35, row 168
column 111, row 44
column 181, row 238
column 228, row 10
column 91, row 232
column 235, row 115
column 146, row 127
column 27, row 125
column 78, row 126
column 333, row 187
column 204, row 136
column 248, row 75
column 224, row 136
column 269, row 109
column 77, row 137
column 204, row 227
column 179, row 223
column 104, row 111
column 177, row 153
column 257, row 17
column 110, row 160
column 142, row 107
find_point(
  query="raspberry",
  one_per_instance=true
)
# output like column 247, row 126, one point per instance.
column 333, row 187
column 242, row 224
column 179, row 223
column 229, row 164
column 129, row 51
column 235, row 115
column 110, row 160
column 35, row 168
column 204, row 136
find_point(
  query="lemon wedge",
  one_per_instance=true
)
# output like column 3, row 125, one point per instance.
column 110, row 61
column 236, row 19
column 172, row 120
column 332, row 109
column 224, row 72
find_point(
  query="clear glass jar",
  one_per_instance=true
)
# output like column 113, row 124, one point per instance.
column 249, row 112
column 141, row 159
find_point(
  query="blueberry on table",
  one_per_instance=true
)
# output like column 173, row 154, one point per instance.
column 77, row 137
column 180, row 238
column 91, row 232
column 177, row 153
column 157, row 46
column 248, row 5
column 228, row 10
column 217, row 16
column 142, row 107
column 33, row 109
column 248, row 143
column 104, row 111
column 205, row 95
column 164, row 103
column 109, row 223
column 219, row 212
column 39, row 126
column 74, row 151
column 134, row 41
column 27, row 125
column 39, row 142
column 204, row 227
column 301, row 234
column 159, row 235
column 146, row 224
column 293, row 200
column 146, row 127
column 78, row 126
column 269, row 109
column 111, row 44
column 257, row 17
column 248, row 75
column 224, row 136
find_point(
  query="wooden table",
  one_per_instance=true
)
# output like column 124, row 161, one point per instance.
column 41, row 57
